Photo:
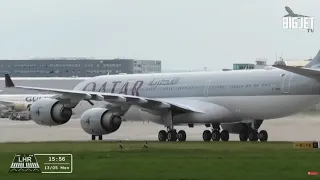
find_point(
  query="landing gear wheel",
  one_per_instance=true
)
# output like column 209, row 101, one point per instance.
column 172, row 135
column 253, row 135
column 244, row 135
column 100, row 137
column 93, row 137
column 263, row 135
column 182, row 136
column 206, row 135
column 215, row 135
column 224, row 135
column 162, row 135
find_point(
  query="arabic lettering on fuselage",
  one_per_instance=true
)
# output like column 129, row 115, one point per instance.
column 34, row 98
column 164, row 82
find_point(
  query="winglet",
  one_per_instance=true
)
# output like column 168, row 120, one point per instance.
column 8, row 81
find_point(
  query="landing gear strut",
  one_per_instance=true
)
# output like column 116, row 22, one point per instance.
column 93, row 137
column 171, row 134
column 215, row 135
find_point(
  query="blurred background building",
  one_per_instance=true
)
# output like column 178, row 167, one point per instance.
column 73, row 67
column 298, row 63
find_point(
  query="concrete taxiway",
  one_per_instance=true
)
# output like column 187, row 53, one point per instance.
column 295, row 128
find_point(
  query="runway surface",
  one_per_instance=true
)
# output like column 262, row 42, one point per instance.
column 295, row 128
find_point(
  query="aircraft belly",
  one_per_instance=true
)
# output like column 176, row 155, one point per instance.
column 204, row 118
column 266, row 107
column 240, row 107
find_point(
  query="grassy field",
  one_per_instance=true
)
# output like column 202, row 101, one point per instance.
column 171, row 161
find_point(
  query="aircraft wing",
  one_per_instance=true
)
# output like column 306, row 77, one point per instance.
column 148, row 103
column 7, row 103
column 311, row 73
column 288, row 15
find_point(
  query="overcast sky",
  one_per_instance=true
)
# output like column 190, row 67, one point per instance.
column 184, row 34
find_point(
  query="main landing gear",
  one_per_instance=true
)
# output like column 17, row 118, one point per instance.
column 251, row 132
column 93, row 137
column 253, row 135
column 172, row 135
column 215, row 135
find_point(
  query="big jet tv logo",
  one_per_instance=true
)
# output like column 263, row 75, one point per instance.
column 299, row 23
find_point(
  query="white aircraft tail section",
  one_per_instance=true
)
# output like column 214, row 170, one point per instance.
column 311, row 70
column 315, row 62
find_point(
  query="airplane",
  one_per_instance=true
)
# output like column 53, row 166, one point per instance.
column 19, row 102
column 230, row 102
column 292, row 14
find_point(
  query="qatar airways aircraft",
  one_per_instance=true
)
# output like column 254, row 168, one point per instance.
column 236, row 101
column 20, row 102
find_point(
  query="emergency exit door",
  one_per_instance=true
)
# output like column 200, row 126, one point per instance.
column 206, row 89
column 286, row 83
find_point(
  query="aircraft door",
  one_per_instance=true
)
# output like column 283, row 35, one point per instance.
column 286, row 83
column 206, row 88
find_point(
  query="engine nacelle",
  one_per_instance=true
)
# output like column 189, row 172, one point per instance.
column 99, row 121
column 20, row 107
column 50, row 112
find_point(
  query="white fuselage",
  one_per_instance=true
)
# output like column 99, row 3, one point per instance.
column 23, row 98
column 251, row 94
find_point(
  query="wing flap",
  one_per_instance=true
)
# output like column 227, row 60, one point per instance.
column 136, row 100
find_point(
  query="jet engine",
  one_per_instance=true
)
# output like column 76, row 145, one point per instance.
column 50, row 112
column 99, row 121
column 20, row 107
column 16, row 107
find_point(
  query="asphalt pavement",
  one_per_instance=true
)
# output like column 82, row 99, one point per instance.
column 294, row 128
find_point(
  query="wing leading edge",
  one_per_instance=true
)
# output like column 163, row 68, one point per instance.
column 148, row 103
column 7, row 103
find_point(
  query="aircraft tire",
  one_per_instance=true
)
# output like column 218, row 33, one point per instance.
column 93, row 137
column 263, row 135
column 215, row 135
column 253, row 135
column 182, row 136
column 243, row 135
column 100, row 137
column 162, row 135
column 206, row 135
column 172, row 135
column 225, row 135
